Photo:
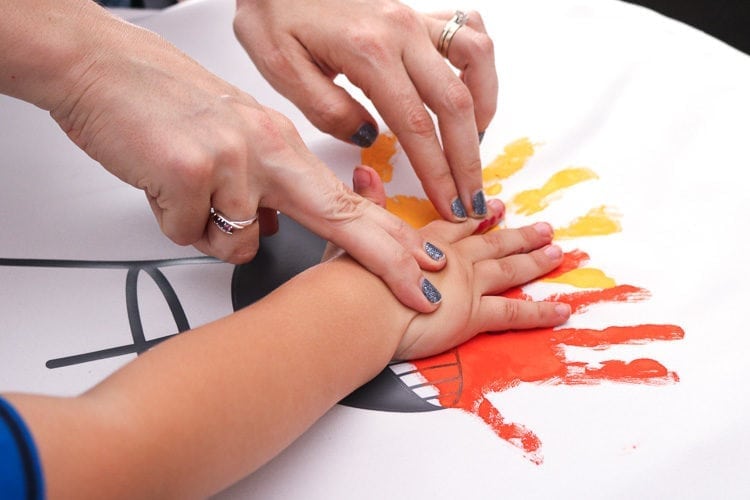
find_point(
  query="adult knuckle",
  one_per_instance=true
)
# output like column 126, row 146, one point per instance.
column 342, row 205
column 330, row 113
column 482, row 46
column 371, row 46
column 243, row 254
column 458, row 98
column 419, row 122
column 178, row 235
column 401, row 17
column 276, row 63
column 192, row 168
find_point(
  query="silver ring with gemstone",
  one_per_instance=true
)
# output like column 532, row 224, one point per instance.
column 230, row 226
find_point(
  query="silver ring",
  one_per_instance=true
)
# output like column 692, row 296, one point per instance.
column 449, row 30
column 229, row 226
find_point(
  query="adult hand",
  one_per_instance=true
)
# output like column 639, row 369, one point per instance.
column 192, row 142
column 389, row 51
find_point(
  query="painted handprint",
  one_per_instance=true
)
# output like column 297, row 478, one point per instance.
column 463, row 377
column 496, row 362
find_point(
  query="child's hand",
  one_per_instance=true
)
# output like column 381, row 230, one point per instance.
column 479, row 268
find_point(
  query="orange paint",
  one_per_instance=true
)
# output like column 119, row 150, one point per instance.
column 496, row 362
column 378, row 156
column 417, row 212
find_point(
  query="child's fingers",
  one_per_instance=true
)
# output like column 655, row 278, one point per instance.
column 499, row 313
column 367, row 184
column 454, row 231
column 498, row 244
column 494, row 276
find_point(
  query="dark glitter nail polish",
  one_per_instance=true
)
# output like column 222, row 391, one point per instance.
column 478, row 203
column 481, row 136
column 365, row 136
column 434, row 252
column 429, row 291
column 457, row 207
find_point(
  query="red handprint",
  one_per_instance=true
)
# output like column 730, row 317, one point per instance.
column 495, row 362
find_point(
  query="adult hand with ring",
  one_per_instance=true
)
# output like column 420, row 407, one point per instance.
column 390, row 52
column 208, row 156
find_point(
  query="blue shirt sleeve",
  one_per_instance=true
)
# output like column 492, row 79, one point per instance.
column 20, row 470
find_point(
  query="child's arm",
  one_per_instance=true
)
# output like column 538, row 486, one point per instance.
column 210, row 406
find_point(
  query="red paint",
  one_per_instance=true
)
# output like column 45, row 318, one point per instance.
column 495, row 362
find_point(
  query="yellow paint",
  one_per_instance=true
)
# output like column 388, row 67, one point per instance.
column 378, row 156
column 598, row 222
column 494, row 189
column 586, row 277
column 535, row 200
column 512, row 160
column 417, row 212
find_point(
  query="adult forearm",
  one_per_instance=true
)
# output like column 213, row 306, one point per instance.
column 46, row 46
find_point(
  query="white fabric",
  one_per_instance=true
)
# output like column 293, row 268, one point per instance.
column 657, row 109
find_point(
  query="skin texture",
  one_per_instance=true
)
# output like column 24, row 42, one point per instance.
column 203, row 409
column 195, row 143
column 389, row 51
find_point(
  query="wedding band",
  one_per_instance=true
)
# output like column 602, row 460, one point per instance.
column 449, row 31
column 229, row 226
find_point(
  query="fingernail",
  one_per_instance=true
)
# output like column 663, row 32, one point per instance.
column 457, row 207
column 481, row 136
column 543, row 228
column 562, row 310
column 429, row 291
column 496, row 206
column 553, row 252
column 365, row 136
column 361, row 179
column 478, row 204
column 434, row 252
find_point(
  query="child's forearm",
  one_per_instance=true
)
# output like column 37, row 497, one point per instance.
column 210, row 406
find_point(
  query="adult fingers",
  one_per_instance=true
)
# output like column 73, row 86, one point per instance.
column 295, row 75
column 499, row 313
column 452, row 102
column 494, row 276
column 380, row 241
column 403, row 110
column 498, row 244
column 232, row 201
column 471, row 51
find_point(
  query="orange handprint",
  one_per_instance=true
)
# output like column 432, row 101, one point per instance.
column 493, row 362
